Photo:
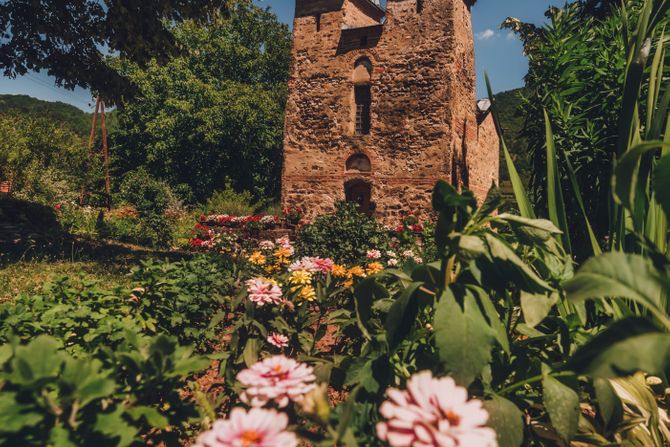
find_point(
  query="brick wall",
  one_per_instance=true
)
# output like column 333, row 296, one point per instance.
column 423, row 121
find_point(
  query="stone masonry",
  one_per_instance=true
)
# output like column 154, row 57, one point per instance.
column 382, row 104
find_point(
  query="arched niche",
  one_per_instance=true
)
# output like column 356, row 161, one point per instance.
column 362, row 71
column 359, row 163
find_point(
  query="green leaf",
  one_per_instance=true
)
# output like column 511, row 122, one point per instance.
column 250, row 354
column 536, row 307
column 609, row 404
column 40, row 359
column 14, row 416
column 153, row 417
column 562, row 404
column 462, row 336
column 471, row 247
column 619, row 275
column 60, row 437
column 537, row 230
column 402, row 315
column 514, row 268
column 506, row 419
column 625, row 179
column 493, row 317
column 662, row 184
column 624, row 348
column 555, row 201
column 520, row 194
column 115, row 427
column 577, row 194
column 365, row 295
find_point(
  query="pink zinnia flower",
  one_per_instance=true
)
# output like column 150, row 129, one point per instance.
column 278, row 379
column 434, row 413
column 256, row 428
column 262, row 292
column 373, row 255
column 278, row 340
column 285, row 242
column 324, row 265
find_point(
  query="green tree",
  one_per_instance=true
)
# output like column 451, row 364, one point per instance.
column 42, row 160
column 216, row 111
column 72, row 39
column 577, row 66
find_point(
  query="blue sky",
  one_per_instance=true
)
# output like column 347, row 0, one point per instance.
column 497, row 51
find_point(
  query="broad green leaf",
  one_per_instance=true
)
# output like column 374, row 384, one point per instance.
column 60, row 437
column 516, row 269
column 609, row 404
column 40, row 359
column 471, row 247
column 153, row 417
column 493, row 317
column 114, row 426
column 624, row 348
column 402, row 315
column 619, row 275
column 534, row 229
column 562, row 404
column 506, row 419
column 462, row 336
column 536, row 307
column 15, row 416
column 250, row 353
column 366, row 293
column 662, row 184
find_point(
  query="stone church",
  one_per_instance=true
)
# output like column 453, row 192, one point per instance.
column 382, row 104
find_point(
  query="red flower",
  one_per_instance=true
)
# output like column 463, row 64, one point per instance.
column 417, row 228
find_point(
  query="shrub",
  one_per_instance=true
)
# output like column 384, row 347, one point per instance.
column 151, row 198
column 345, row 236
column 230, row 202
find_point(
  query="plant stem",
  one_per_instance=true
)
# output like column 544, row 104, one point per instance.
column 534, row 379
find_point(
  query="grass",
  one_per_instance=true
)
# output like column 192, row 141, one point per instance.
column 30, row 277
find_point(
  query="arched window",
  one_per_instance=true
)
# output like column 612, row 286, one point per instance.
column 362, row 95
column 358, row 163
column 419, row 6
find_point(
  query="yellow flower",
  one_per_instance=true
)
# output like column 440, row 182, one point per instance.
column 356, row 271
column 300, row 277
column 257, row 258
column 307, row 293
column 270, row 269
column 282, row 253
column 339, row 271
column 374, row 268
column 348, row 283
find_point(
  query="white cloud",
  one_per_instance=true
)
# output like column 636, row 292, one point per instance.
column 487, row 34
column 510, row 36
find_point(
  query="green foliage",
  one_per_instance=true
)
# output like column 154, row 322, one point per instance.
column 43, row 161
column 228, row 201
column 151, row 198
column 345, row 236
column 110, row 374
column 73, row 43
column 576, row 72
column 215, row 113
column 57, row 113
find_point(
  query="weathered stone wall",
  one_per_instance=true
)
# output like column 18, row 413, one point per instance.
column 423, row 121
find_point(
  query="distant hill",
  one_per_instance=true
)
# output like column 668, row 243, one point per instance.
column 58, row 112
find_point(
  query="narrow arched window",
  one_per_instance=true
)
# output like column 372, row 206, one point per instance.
column 318, row 22
column 419, row 6
column 362, row 95
column 363, row 101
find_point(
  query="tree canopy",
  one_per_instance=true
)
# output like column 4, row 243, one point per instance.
column 73, row 39
column 215, row 111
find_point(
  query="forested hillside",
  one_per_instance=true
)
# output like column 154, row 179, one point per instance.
column 58, row 113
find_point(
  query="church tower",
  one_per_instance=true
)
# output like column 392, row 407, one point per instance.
column 382, row 104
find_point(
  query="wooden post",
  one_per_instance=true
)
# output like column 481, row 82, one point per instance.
column 91, row 142
column 105, row 151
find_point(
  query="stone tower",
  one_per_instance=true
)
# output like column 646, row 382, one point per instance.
column 382, row 104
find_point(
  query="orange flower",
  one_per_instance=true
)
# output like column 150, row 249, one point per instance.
column 257, row 258
column 374, row 268
column 339, row 271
